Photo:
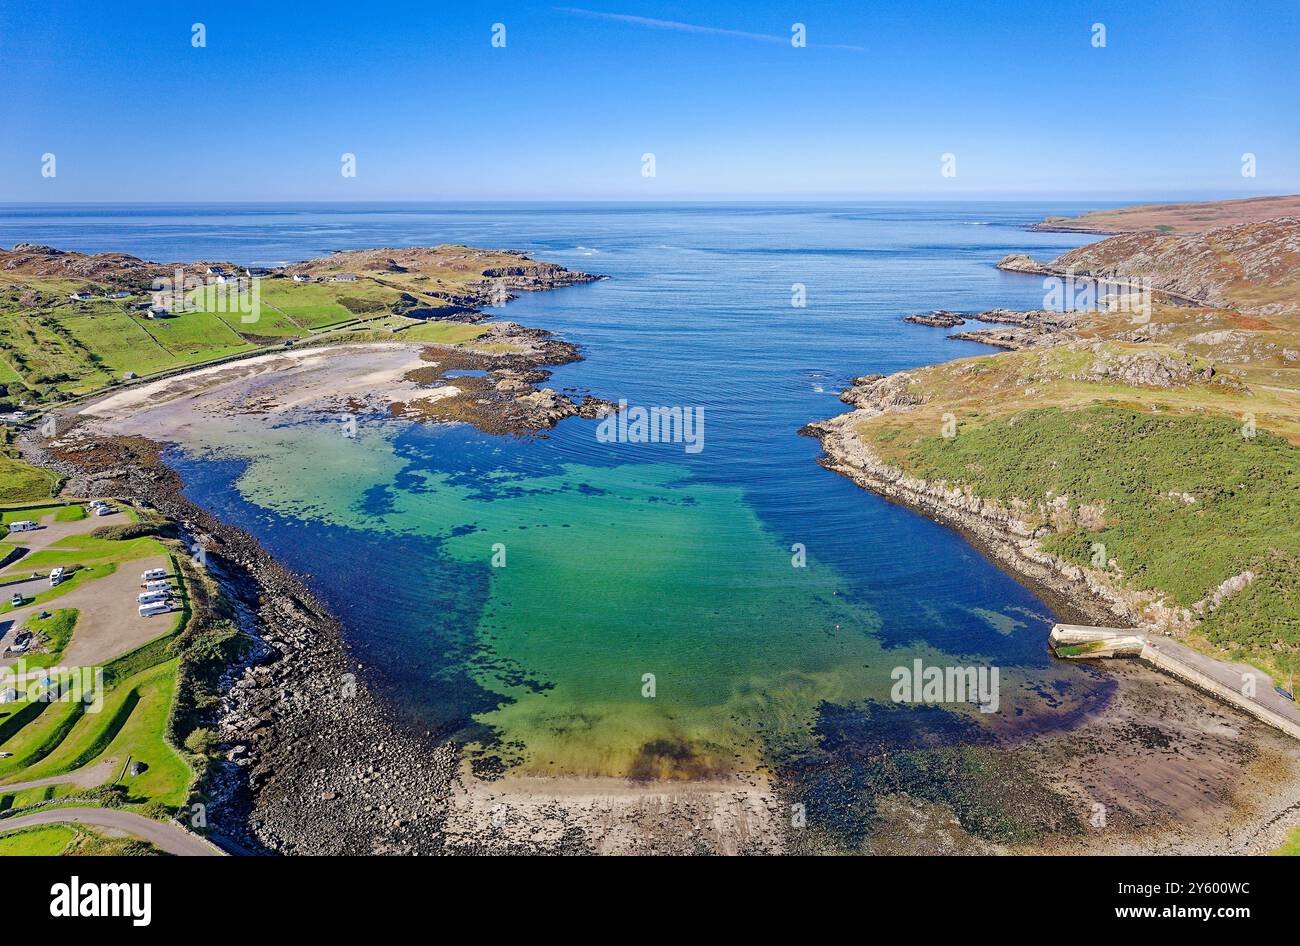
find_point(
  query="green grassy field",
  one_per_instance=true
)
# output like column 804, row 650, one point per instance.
column 49, row 840
column 20, row 482
column 35, row 509
column 130, row 725
column 37, row 842
column 52, row 348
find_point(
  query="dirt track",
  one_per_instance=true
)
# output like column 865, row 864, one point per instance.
column 169, row 837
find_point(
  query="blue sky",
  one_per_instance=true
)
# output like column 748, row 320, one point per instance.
column 1017, row 92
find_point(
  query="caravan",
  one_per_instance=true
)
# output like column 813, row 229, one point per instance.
column 158, row 586
column 153, row 574
column 150, row 597
column 150, row 608
column 23, row 525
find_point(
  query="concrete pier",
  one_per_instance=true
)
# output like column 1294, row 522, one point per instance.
column 1245, row 687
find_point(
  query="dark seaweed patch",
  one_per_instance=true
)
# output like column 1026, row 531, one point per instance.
column 864, row 753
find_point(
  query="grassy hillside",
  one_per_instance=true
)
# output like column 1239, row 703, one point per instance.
column 21, row 482
column 1179, row 218
column 1182, row 503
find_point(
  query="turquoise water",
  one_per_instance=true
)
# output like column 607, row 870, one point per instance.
column 623, row 560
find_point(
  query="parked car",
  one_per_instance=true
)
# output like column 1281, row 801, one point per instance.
column 17, row 600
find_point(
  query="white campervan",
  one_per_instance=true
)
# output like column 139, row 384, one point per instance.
column 149, row 597
column 157, row 586
column 149, row 609
column 153, row 574
column 56, row 576
column 23, row 525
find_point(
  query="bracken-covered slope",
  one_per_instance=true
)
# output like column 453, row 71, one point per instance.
column 1253, row 267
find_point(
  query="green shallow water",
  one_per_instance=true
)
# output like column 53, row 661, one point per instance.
column 664, row 577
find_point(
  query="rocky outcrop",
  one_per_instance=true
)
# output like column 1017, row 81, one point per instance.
column 879, row 392
column 1031, row 329
column 1148, row 369
column 507, row 396
column 1022, row 263
column 939, row 318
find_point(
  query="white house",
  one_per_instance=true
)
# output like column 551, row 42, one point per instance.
column 216, row 270
column 119, row 295
column 301, row 277
column 80, row 296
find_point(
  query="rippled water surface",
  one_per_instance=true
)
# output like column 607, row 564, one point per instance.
column 628, row 560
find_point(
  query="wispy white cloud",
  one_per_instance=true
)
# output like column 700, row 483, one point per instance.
column 681, row 27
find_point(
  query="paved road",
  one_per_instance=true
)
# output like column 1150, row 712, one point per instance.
column 1232, row 676
column 167, row 836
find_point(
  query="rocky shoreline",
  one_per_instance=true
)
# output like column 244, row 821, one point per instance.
column 508, row 396
column 313, row 764
column 1077, row 594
